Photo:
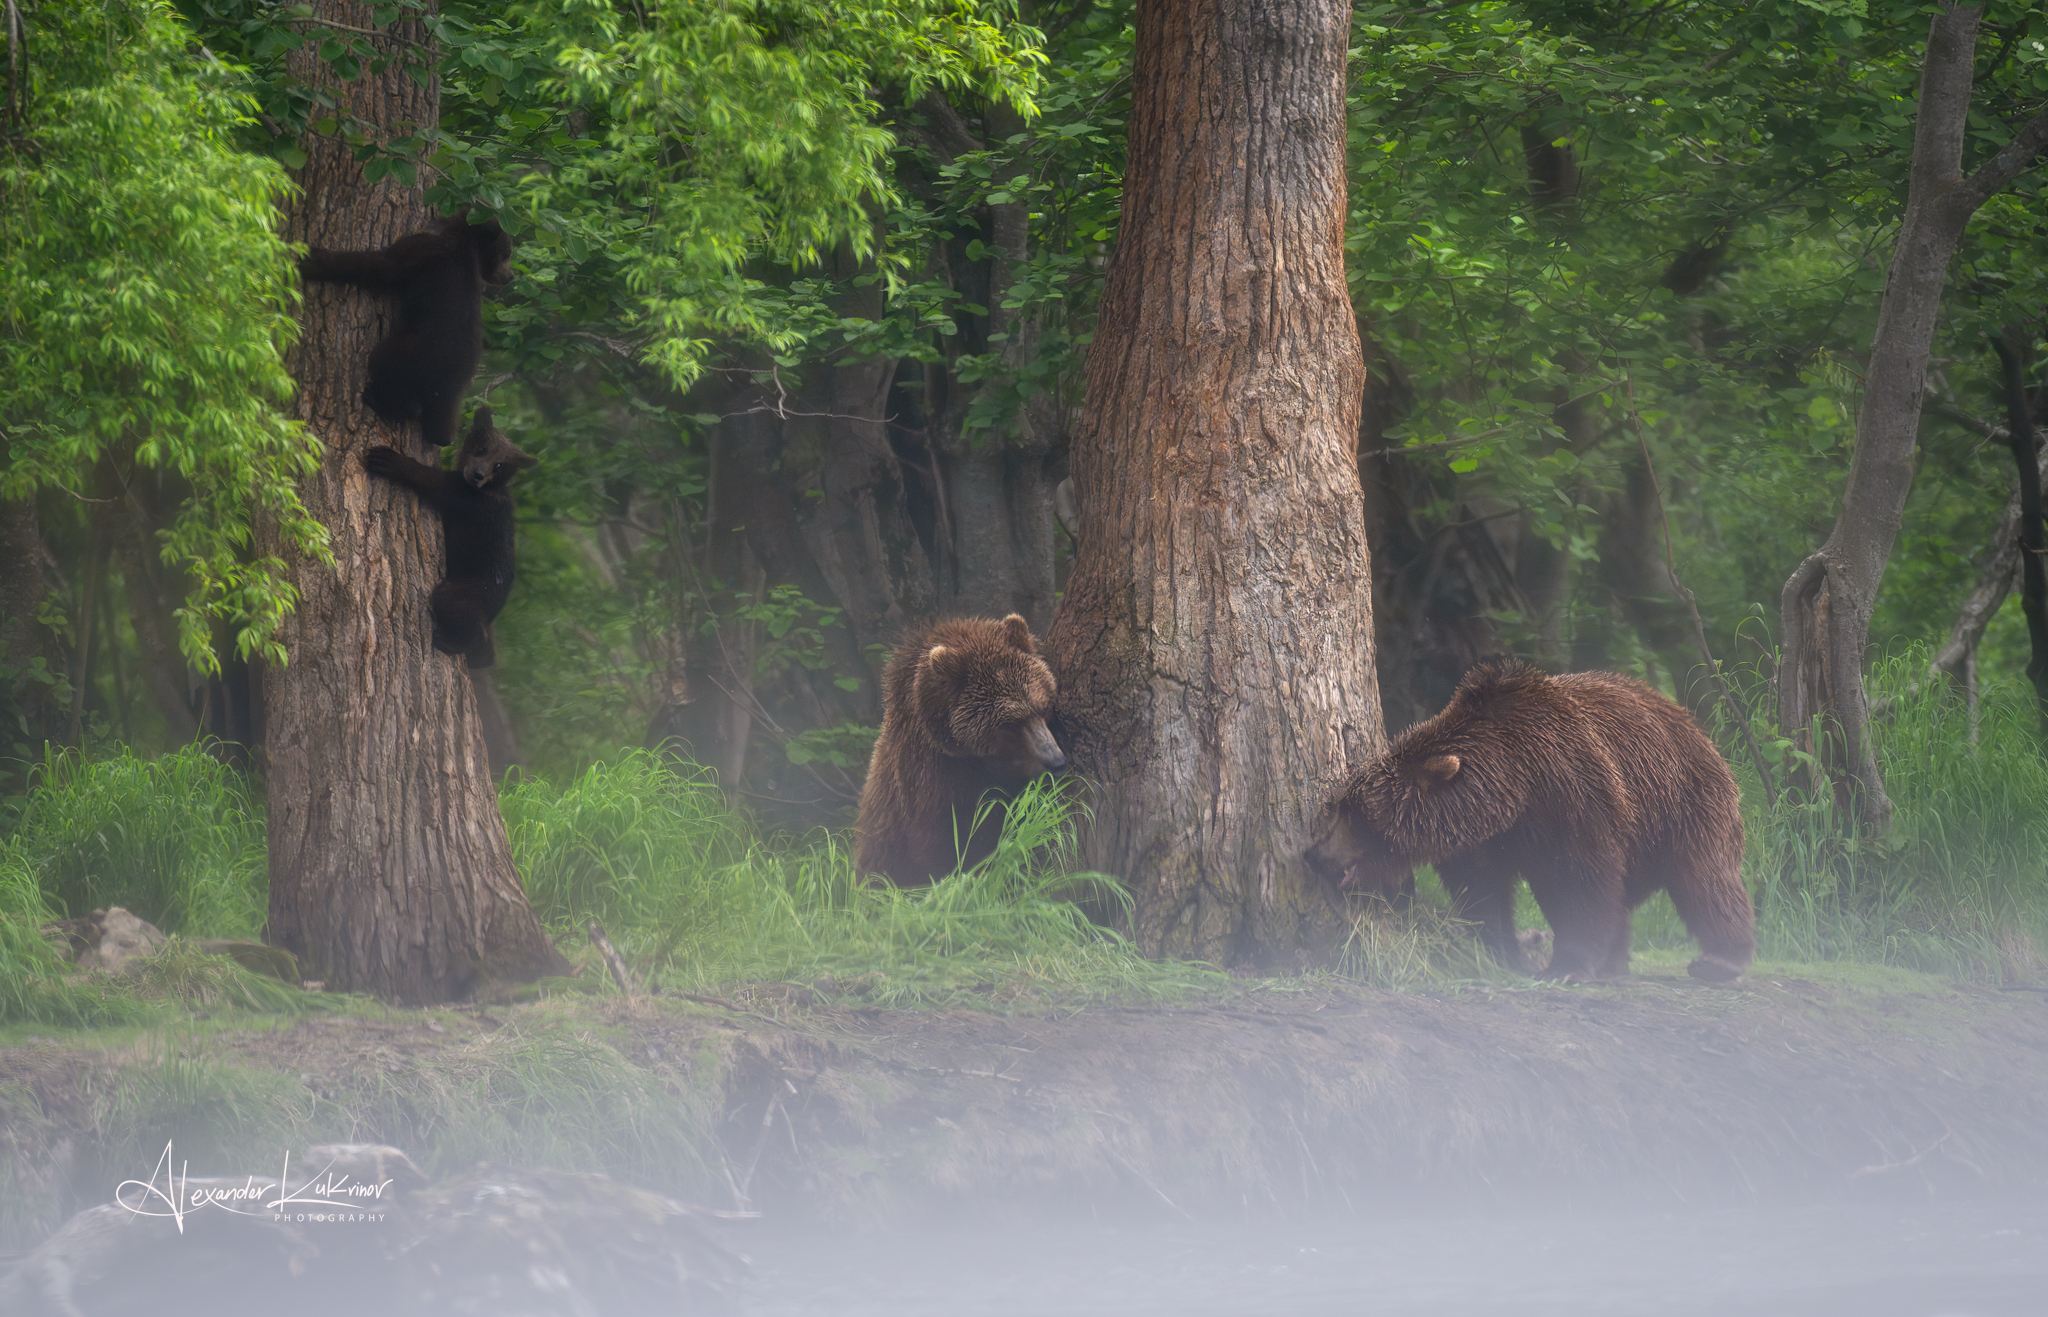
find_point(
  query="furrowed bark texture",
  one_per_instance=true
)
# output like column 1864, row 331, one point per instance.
column 389, row 867
column 1827, row 603
column 1214, row 647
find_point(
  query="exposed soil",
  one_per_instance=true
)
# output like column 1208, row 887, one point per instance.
column 1317, row 1100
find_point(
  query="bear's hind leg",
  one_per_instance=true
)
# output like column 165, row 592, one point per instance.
column 441, row 417
column 1715, row 905
column 460, row 623
column 389, row 389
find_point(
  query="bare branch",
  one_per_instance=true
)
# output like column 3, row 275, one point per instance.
column 2001, row 169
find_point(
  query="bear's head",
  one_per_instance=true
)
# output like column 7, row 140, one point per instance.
column 488, row 460
column 1443, row 786
column 1353, row 850
column 983, row 693
column 488, row 241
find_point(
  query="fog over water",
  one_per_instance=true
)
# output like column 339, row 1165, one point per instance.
column 1931, row 1259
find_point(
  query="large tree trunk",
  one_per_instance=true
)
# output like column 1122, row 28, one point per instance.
column 389, row 867
column 1827, row 602
column 1215, row 643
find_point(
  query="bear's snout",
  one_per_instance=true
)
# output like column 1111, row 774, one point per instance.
column 1039, row 737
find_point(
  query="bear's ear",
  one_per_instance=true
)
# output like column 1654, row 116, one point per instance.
column 523, row 461
column 1439, row 769
column 1018, row 632
column 485, row 420
column 943, row 662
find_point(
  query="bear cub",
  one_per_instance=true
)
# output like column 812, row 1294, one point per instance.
column 422, row 369
column 475, row 503
column 964, row 708
column 1594, row 787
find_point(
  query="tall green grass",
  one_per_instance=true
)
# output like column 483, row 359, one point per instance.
column 701, row 901
column 177, row 839
column 696, row 897
column 1957, row 885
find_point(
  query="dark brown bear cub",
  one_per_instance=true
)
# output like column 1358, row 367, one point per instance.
column 422, row 369
column 1594, row 787
column 475, row 503
column 964, row 705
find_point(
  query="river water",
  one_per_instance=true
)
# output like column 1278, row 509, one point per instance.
column 1936, row 1259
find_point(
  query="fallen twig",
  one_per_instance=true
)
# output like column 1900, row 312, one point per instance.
column 611, row 957
column 1887, row 1167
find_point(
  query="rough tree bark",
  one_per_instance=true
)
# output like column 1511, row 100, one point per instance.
column 1215, row 644
column 1827, row 602
column 2012, row 346
column 389, row 867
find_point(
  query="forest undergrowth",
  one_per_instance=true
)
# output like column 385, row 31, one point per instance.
column 699, row 899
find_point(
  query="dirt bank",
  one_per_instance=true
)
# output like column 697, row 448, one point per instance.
column 1298, row 1100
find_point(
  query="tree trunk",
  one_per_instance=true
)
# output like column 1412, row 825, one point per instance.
column 501, row 742
column 1215, row 644
column 1827, row 603
column 1543, row 569
column 2012, row 348
column 1957, row 658
column 1438, row 582
column 1636, row 571
column 389, row 867
column 30, row 666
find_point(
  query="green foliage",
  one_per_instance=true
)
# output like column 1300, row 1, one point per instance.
column 1715, row 259
column 144, row 300
column 785, row 156
column 178, row 840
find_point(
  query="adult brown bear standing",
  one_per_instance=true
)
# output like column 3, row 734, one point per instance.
column 1592, row 786
column 964, row 705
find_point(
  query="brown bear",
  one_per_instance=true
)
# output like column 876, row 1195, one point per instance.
column 964, row 705
column 1592, row 786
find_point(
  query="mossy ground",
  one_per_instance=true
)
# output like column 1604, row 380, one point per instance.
column 1302, row 1093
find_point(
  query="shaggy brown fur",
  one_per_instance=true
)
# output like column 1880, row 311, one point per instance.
column 964, row 705
column 1592, row 786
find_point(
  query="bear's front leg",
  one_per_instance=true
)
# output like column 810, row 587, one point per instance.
column 1483, row 891
column 390, row 464
column 1588, row 919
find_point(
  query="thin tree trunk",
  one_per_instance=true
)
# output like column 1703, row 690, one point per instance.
column 2012, row 347
column 1543, row 568
column 1634, row 568
column 389, row 867
column 1827, row 602
column 1215, row 644
column 501, row 742
column 1994, row 583
column 29, row 662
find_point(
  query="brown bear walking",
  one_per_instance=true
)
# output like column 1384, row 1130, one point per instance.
column 964, row 705
column 1592, row 786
